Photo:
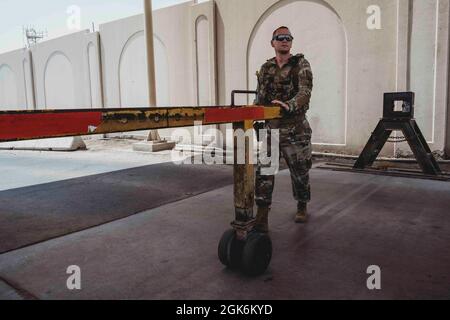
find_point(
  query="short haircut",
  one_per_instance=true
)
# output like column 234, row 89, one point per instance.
column 282, row 27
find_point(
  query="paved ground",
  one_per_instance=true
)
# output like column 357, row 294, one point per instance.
column 170, row 252
column 28, row 168
column 34, row 214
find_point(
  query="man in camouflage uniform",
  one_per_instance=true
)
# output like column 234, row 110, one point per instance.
column 286, row 80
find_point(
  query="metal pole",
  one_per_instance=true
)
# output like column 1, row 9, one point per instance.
column 148, row 14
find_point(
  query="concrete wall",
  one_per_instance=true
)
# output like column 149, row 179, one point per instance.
column 353, row 65
column 58, row 74
column 324, row 46
column 183, row 36
column 124, row 59
column 428, row 69
column 349, row 81
column 204, row 51
column 66, row 72
column 16, row 86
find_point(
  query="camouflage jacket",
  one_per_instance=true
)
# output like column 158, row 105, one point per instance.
column 291, row 84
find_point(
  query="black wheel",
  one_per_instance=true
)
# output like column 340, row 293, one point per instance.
column 230, row 249
column 256, row 254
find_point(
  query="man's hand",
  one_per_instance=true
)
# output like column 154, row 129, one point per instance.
column 281, row 104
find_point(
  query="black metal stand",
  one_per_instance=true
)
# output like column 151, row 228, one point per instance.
column 399, row 121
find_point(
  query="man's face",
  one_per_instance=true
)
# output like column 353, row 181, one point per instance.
column 282, row 46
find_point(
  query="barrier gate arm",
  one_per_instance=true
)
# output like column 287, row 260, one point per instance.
column 28, row 125
column 240, row 247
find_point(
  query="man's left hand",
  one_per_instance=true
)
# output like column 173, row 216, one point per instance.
column 281, row 104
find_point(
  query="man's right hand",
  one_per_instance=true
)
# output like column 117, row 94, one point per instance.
column 281, row 104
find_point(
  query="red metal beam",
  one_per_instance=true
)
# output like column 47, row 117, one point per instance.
column 30, row 126
column 26, row 125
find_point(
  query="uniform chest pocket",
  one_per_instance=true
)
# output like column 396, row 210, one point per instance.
column 282, row 81
column 284, row 86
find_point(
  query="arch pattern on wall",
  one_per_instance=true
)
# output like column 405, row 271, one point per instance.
column 320, row 34
column 133, row 72
column 59, row 84
column 8, row 88
column 203, row 61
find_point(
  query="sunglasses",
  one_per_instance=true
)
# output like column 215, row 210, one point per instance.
column 282, row 37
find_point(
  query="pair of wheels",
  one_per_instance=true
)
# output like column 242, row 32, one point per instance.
column 252, row 256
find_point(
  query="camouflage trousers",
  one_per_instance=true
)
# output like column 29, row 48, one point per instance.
column 295, row 148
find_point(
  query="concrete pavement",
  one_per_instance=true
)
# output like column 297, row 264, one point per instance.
column 28, row 168
column 170, row 252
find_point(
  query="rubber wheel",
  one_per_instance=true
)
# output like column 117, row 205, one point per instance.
column 256, row 254
column 230, row 250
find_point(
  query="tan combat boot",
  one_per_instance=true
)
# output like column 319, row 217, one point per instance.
column 302, row 213
column 262, row 220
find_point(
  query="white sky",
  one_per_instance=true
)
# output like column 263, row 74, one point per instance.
column 52, row 15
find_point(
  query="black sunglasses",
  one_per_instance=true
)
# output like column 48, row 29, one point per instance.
column 282, row 37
